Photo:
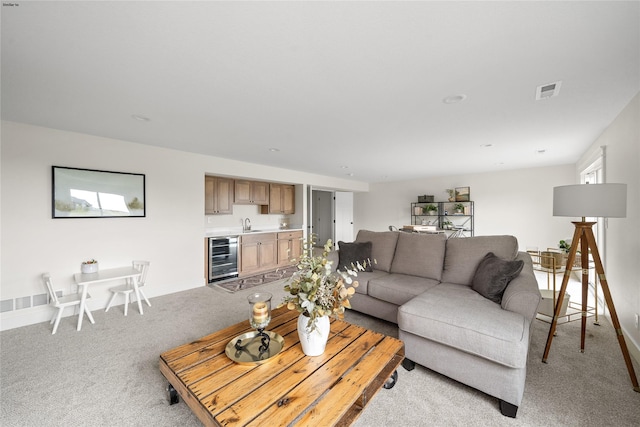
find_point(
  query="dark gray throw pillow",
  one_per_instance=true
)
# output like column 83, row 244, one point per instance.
column 493, row 275
column 351, row 253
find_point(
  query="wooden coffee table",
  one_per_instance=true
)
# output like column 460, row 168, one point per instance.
column 289, row 389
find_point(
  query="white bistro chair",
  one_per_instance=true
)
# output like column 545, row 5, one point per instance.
column 127, row 289
column 61, row 302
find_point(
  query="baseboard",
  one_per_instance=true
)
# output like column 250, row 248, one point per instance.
column 25, row 317
column 632, row 346
column 33, row 315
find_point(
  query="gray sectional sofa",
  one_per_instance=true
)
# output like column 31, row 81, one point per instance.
column 431, row 288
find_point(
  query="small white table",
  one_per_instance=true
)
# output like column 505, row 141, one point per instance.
column 110, row 274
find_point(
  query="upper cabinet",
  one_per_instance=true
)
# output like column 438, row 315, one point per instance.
column 251, row 192
column 218, row 195
column 281, row 199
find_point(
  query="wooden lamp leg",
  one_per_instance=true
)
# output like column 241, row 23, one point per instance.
column 584, row 234
column 563, row 289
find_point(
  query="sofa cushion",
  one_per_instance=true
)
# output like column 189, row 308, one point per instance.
column 459, row 317
column 420, row 255
column 383, row 247
column 363, row 278
column 464, row 255
column 399, row 288
column 493, row 275
column 352, row 253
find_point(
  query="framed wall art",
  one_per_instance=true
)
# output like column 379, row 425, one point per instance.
column 463, row 194
column 88, row 193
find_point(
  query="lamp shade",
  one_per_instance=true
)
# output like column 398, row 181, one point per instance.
column 593, row 200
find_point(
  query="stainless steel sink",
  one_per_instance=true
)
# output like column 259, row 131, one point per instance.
column 253, row 231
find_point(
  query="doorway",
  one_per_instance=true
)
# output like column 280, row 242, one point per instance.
column 331, row 216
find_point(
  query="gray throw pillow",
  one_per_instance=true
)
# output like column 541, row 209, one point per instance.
column 352, row 253
column 493, row 275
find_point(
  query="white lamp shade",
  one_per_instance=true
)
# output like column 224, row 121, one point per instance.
column 593, row 200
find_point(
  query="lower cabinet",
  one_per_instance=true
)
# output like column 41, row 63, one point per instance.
column 258, row 252
column 266, row 251
column 289, row 247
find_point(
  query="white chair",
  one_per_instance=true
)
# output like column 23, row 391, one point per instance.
column 61, row 302
column 127, row 289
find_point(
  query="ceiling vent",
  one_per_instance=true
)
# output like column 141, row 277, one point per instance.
column 548, row 90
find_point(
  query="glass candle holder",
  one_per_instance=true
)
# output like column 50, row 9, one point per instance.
column 260, row 312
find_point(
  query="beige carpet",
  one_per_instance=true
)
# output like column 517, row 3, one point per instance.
column 107, row 374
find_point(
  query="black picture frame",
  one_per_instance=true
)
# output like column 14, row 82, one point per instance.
column 91, row 193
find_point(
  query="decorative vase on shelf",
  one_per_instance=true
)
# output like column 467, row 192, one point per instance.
column 313, row 340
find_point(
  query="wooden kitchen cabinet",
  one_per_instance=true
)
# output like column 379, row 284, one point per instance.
column 251, row 192
column 218, row 195
column 258, row 252
column 289, row 247
column 281, row 199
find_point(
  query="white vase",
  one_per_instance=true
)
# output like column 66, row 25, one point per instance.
column 313, row 342
column 89, row 268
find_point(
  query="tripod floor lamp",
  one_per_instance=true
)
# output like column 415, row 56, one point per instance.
column 589, row 200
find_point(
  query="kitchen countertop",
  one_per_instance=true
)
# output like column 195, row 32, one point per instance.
column 238, row 231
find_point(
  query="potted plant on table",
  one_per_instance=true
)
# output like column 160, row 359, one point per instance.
column 318, row 293
column 89, row 266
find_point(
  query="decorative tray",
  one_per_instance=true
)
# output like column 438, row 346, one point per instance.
column 249, row 352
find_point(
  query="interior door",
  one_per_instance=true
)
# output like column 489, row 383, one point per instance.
column 322, row 216
column 343, row 216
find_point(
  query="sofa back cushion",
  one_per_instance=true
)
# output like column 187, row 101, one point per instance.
column 382, row 249
column 352, row 254
column 463, row 255
column 420, row 255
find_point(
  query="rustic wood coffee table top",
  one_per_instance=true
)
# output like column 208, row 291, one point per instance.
column 289, row 389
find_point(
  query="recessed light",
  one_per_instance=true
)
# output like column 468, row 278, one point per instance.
column 486, row 145
column 454, row 99
column 499, row 163
column 541, row 151
column 274, row 150
column 344, row 167
column 140, row 118
column 350, row 174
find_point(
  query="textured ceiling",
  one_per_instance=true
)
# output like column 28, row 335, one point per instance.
column 337, row 87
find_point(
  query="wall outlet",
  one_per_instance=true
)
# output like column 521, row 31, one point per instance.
column 637, row 321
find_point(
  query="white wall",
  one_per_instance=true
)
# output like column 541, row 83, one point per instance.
column 622, row 161
column 171, row 235
column 516, row 202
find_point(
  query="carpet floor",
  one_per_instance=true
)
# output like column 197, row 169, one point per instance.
column 107, row 374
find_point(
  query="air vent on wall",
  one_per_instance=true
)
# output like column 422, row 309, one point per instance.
column 548, row 90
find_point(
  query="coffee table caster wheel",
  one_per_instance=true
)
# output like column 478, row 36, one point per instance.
column 391, row 381
column 172, row 395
